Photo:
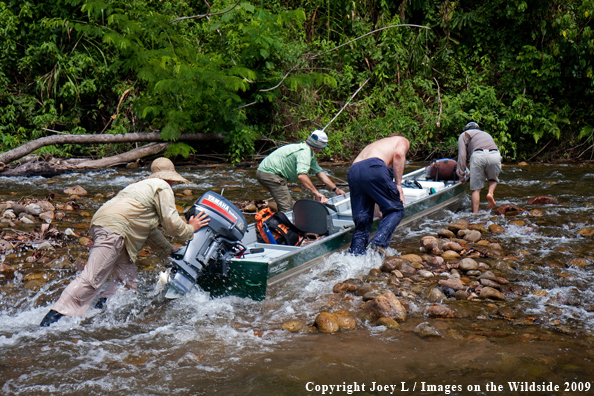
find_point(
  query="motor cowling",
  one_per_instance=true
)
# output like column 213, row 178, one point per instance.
column 211, row 248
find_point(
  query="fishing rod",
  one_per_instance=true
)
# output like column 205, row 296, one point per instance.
column 346, row 104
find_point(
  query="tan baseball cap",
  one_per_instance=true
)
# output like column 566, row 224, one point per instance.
column 163, row 168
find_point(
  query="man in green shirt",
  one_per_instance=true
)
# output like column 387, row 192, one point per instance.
column 291, row 163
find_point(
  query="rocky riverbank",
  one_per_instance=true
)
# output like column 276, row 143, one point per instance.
column 461, row 272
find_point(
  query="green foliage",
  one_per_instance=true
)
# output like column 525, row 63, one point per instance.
column 522, row 69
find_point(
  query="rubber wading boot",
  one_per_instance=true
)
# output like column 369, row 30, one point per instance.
column 101, row 303
column 51, row 317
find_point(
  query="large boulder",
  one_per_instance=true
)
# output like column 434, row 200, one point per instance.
column 542, row 200
column 327, row 322
column 386, row 306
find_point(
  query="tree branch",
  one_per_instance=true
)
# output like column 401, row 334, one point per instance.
column 440, row 105
column 205, row 15
column 27, row 148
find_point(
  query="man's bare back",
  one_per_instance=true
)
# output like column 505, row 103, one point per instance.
column 385, row 149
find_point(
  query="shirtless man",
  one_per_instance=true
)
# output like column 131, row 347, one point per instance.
column 375, row 178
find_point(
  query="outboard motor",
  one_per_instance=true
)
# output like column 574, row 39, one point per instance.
column 212, row 247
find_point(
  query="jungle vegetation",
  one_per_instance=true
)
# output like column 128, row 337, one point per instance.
column 261, row 71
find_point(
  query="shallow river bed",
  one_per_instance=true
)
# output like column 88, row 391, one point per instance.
column 541, row 337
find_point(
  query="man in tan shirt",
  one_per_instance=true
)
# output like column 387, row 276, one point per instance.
column 375, row 178
column 119, row 230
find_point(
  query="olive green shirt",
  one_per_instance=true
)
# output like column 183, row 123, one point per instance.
column 137, row 211
column 291, row 161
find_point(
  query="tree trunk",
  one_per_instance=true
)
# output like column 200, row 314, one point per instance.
column 27, row 148
column 57, row 166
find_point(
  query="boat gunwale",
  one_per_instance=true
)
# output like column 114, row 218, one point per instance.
column 293, row 250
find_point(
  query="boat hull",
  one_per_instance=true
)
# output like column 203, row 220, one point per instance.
column 251, row 277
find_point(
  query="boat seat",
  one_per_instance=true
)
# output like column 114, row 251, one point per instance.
column 312, row 216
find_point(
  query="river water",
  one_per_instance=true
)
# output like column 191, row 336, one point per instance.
column 541, row 336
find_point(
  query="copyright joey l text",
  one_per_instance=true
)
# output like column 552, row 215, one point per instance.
column 403, row 386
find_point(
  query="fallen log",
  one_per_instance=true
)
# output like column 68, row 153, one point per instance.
column 29, row 147
column 56, row 166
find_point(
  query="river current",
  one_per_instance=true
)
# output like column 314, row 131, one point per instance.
column 541, row 337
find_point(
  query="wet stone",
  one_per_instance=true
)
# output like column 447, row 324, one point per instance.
column 389, row 323
column 429, row 242
column 478, row 227
column 60, row 263
column 445, row 233
column 449, row 255
column 411, row 258
column 473, row 273
column 448, row 291
column 461, row 295
column 46, row 206
column 75, row 190
column 437, row 261
column 327, row 322
column 506, row 312
column 488, row 275
column 9, row 214
column 35, row 285
column 425, row 330
column 496, row 229
column 491, row 293
column 439, row 311
column 586, row 232
column 292, row 326
column 345, row 319
column 425, row 274
column 490, row 283
column 45, row 246
column 362, row 290
column 392, row 263
column 468, row 264
column 452, row 283
column 18, row 208
column 371, row 295
column 344, row 287
column 455, row 246
column 542, row 200
column 407, row 269
column 34, row 209
column 47, row 216
column 472, row 236
column 501, row 266
column 455, row 227
column 435, row 295
column 386, row 305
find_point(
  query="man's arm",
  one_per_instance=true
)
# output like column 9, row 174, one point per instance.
column 461, row 167
column 326, row 180
column 398, row 164
column 172, row 222
column 306, row 181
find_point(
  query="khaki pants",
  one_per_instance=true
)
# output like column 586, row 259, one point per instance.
column 277, row 185
column 484, row 165
column 107, row 254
